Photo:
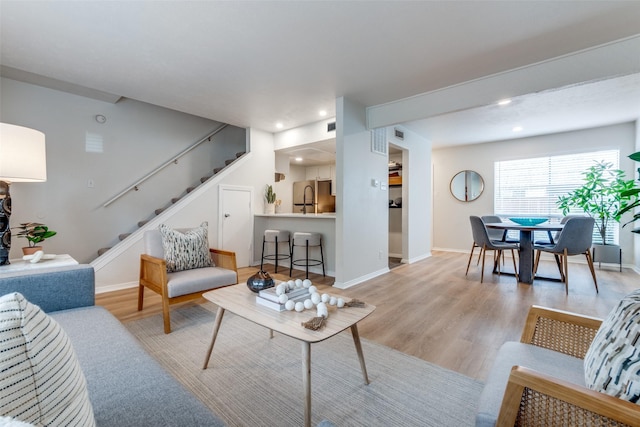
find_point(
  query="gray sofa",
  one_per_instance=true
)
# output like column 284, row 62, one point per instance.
column 126, row 386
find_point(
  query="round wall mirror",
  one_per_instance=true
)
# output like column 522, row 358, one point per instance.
column 467, row 186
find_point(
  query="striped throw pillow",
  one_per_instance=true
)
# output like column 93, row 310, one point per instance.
column 40, row 379
column 612, row 363
column 186, row 250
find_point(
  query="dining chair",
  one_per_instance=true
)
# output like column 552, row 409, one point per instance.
column 575, row 239
column 552, row 239
column 494, row 233
column 481, row 239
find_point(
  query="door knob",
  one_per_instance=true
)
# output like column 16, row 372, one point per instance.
column 227, row 215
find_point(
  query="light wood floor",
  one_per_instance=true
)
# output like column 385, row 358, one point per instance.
column 430, row 310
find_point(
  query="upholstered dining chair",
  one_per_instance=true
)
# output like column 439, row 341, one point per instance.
column 179, row 266
column 575, row 239
column 481, row 239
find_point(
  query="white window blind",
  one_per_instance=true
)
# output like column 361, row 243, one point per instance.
column 531, row 187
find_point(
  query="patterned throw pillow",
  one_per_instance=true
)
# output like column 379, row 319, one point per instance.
column 184, row 251
column 40, row 379
column 612, row 363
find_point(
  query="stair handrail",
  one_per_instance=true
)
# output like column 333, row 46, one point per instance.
column 173, row 160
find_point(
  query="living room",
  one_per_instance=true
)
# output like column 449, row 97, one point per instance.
column 141, row 132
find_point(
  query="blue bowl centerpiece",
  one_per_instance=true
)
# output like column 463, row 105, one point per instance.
column 530, row 222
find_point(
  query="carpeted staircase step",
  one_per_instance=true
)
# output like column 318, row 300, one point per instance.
column 240, row 154
column 205, row 178
column 229, row 161
column 159, row 211
column 101, row 251
column 216, row 170
column 190, row 189
column 142, row 223
column 124, row 236
column 175, row 199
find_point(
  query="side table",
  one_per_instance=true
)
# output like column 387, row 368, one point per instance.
column 21, row 265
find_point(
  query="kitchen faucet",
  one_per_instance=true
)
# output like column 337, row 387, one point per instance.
column 304, row 198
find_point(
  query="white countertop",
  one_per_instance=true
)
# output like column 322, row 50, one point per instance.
column 330, row 215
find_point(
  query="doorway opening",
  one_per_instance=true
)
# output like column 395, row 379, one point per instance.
column 396, row 217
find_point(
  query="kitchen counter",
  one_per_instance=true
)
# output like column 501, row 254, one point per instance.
column 328, row 215
column 324, row 224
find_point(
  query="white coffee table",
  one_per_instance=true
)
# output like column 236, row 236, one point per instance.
column 239, row 300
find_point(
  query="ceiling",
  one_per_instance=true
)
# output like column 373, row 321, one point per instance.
column 258, row 63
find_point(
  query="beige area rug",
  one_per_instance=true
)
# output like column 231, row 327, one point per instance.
column 256, row 381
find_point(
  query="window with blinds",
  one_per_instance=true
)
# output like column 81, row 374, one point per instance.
column 531, row 187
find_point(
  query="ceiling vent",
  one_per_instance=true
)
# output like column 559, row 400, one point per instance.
column 379, row 141
column 331, row 126
column 399, row 134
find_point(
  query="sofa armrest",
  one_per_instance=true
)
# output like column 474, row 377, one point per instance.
column 53, row 289
column 558, row 330
column 543, row 400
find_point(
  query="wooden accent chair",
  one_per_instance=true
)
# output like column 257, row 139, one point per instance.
column 536, row 398
column 182, row 285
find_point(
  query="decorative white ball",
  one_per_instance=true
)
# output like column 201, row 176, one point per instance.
column 325, row 297
column 298, row 283
column 281, row 289
column 333, row 301
column 340, row 303
column 283, row 298
column 306, row 283
column 315, row 298
column 322, row 305
column 313, row 289
column 323, row 311
column 291, row 284
column 290, row 305
column 299, row 306
column 308, row 304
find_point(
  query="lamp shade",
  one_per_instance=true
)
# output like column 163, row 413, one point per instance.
column 22, row 154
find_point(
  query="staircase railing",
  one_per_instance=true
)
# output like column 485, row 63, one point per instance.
column 173, row 160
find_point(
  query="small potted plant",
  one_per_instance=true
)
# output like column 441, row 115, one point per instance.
column 35, row 233
column 604, row 197
column 270, row 196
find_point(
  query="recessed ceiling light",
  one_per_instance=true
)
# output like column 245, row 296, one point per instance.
column 517, row 129
column 298, row 159
column 322, row 113
column 504, row 102
column 279, row 125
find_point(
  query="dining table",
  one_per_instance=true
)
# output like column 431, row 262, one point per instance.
column 525, row 251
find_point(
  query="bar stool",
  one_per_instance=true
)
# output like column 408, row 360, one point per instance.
column 276, row 237
column 307, row 240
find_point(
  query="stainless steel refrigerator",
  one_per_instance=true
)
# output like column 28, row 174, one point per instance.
column 318, row 197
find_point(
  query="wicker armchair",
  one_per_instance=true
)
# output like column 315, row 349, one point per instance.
column 537, row 399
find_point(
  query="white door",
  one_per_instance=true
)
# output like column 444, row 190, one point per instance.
column 235, row 231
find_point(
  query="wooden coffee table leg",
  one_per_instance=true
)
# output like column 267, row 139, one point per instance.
column 216, row 327
column 306, row 381
column 356, row 341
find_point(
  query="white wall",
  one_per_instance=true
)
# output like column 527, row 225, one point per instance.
column 362, row 210
column 451, row 217
column 137, row 137
column 416, row 194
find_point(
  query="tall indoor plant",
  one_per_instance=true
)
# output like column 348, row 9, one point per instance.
column 634, row 195
column 602, row 196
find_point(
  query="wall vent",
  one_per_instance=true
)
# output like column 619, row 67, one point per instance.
column 399, row 134
column 331, row 126
column 379, row 141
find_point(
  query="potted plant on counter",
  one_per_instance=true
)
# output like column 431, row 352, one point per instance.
column 270, row 196
column 35, row 233
column 602, row 196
